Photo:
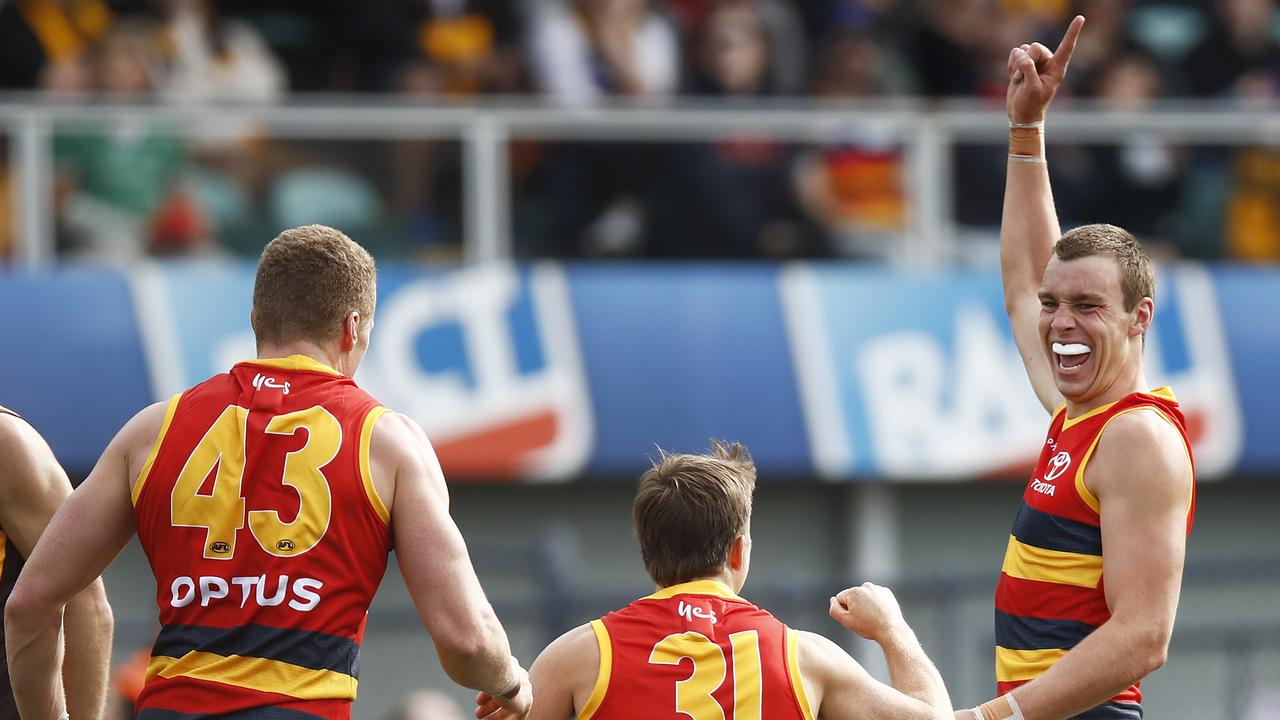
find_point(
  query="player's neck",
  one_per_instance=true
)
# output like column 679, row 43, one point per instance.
column 1132, row 381
column 302, row 347
column 725, row 578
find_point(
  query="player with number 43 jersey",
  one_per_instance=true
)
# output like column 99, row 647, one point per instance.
column 267, row 500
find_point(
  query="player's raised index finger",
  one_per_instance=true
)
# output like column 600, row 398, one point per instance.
column 1068, row 45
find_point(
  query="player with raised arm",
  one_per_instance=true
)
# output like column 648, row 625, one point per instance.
column 32, row 486
column 695, row 649
column 267, row 500
column 1089, row 586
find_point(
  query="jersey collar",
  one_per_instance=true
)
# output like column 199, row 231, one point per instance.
column 295, row 363
column 696, row 587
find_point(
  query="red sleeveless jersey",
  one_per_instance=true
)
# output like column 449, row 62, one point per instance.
column 1051, row 593
column 696, row 650
column 258, row 515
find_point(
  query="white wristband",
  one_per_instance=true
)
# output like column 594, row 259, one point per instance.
column 1038, row 124
column 1013, row 705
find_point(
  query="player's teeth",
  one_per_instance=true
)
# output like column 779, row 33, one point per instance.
column 1071, row 349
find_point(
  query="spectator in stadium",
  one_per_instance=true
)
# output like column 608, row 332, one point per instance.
column 584, row 52
column 1080, row 622
column 34, row 33
column 1239, row 57
column 1137, row 182
column 32, row 487
column 693, row 519
column 281, row 606
column 852, row 188
column 731, row 197
column 118, row 188
column 209, row 56
column 786, row 72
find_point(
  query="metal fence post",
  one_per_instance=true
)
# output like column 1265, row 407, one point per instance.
column 488, row 190
column 927, row 157
column 32, row 166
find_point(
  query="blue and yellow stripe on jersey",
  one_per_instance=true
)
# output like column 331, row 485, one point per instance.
column 302, row 664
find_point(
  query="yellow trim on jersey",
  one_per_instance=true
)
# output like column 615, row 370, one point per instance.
column 695, row 587
column 1054, row 566
column 258, row 674
column 4, row 547
column 295, row 362
column 1083, row 490
column 6, row 411
column 155, row 449
column 366, row 472
column 603, row 675
column 793, row 668
column 1070, row 421
column 1017, row 665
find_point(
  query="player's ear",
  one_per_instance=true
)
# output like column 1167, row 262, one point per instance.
column 351, row 331
column 738, row 553
column 1144, row 315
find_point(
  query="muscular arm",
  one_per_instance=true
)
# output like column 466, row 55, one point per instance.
column 433, row 559
column 81, row 539
column 32, row 486
column 1141, row 476
column 565, row 674
column 1029, row 223
column 840, row 689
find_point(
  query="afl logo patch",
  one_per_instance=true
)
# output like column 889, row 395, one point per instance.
column 1057, row 465
column 220, row 547
column 285, row 545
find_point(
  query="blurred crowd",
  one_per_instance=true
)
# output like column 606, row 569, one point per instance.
column 123, row 191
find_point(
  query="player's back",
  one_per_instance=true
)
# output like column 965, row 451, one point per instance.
column 267, row 539
column 696, row 650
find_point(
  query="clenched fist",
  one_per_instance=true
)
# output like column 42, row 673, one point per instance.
column 870, row 610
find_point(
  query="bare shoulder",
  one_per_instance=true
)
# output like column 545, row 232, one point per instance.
column 20, row 444
column 133, row 444
column 564, row 675
column 820, row 655
column 27, row 464
column 398, row 439
column 1142, row 451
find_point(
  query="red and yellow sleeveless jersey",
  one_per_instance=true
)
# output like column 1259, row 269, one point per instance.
column 696, row 650
column 10, row 565
column 1051, row 592
column 258, row 515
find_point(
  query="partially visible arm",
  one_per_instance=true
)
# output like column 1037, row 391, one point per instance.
column 32, row 486
column 1029, row 223
column 433, row 559
column 564, row 675
column 1142, row 477
column 81, row 539
column 842, row 690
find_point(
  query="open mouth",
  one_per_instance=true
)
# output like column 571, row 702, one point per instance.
column 1070, row 356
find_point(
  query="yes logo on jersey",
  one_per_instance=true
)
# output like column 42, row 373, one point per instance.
column 485, row 358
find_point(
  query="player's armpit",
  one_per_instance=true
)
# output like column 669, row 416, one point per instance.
column 565, row 674
column 839, row 688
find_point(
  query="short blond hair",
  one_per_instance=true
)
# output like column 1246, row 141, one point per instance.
column 689, row 509
column 1137, row 275
column 309, row 278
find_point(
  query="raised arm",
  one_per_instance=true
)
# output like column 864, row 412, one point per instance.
column 81, row 539
column 433, row 559
column 1142, row 478
column 1029, row 224
column 840, row 689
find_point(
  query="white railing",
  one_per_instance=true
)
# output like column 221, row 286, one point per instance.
column 926, row 132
